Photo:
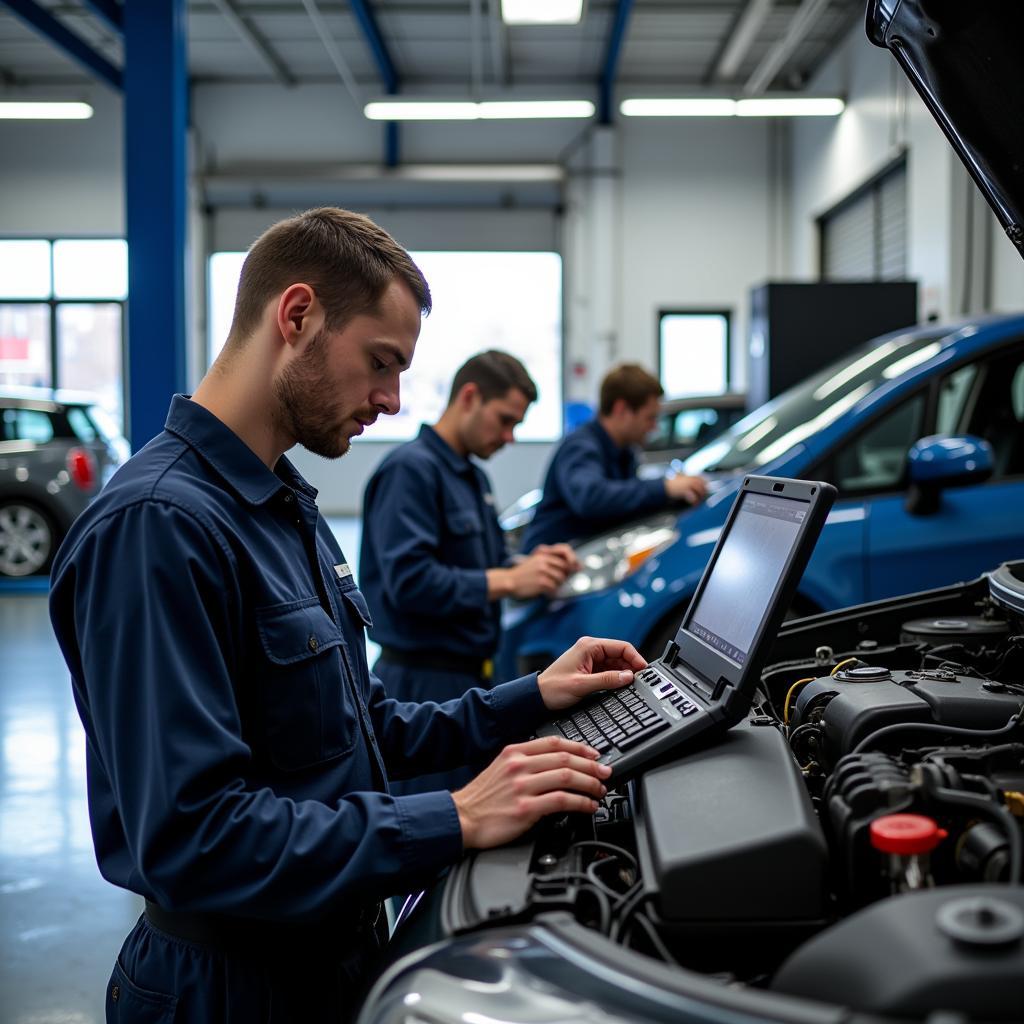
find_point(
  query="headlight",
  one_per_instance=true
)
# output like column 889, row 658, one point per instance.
column 613, row 556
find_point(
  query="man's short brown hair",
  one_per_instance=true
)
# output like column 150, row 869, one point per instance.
column 630, row 382
column 494, row 373
column 344, row 257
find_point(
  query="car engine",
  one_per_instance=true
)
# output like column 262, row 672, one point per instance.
column 857, row 840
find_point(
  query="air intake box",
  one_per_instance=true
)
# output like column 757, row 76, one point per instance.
column 727, row 834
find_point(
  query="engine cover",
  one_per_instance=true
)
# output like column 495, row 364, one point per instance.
column 855, row 704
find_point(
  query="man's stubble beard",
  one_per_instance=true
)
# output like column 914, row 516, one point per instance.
column 304, row 400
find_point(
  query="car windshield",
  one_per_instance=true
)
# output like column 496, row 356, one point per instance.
column 803, row 410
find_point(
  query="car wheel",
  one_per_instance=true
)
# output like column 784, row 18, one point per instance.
column 28, row 538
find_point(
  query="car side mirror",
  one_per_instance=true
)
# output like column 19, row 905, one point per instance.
column 941, row 461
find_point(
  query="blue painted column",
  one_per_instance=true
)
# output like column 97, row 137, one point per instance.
column 155, row 120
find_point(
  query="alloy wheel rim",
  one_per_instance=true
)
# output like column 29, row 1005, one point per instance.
column 25, row 540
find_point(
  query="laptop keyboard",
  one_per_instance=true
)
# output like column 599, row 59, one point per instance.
column 623, row 718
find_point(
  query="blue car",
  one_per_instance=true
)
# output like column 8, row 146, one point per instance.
column 921, row 431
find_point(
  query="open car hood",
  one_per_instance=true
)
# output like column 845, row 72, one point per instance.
column 964, row 58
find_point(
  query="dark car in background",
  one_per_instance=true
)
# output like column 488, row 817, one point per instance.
column 57, row 449
column 686, row 424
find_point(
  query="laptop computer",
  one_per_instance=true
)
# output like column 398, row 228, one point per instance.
column 705, row 680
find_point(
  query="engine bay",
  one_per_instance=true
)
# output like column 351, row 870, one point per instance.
column 856, row 840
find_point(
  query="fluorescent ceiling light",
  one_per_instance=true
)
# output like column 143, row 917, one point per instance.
column 541, row 12
column 678, row 108
column 464, row 110
column 499, row 109
column 44, row 111
column 796, row 106
column 387, row 110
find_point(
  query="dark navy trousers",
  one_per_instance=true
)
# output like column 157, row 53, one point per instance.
column 158, row 979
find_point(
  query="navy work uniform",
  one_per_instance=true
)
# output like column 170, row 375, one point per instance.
column 590, row 486
column 238, row 749
column 430, row 533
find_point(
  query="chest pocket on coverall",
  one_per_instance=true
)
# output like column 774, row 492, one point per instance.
column 465, row 530
column 307, row 708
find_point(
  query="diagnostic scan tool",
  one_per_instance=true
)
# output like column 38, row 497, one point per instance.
column 707, row 676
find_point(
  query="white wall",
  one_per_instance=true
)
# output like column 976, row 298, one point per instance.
column 885, row 118
column 64, row 177
column 830, row 159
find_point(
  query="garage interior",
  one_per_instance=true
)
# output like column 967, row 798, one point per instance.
column 577, row 242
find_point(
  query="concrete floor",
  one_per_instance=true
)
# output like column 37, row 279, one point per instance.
column 61, row 924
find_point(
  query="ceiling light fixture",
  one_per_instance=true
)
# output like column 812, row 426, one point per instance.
column 541, row 12
column 782, row 106
column 43, row 111
column 678, row 108
column 795, row 106
column 465, row 110
column 402, row 110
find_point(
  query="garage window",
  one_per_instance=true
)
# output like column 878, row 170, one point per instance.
column 62, row 315
column 482, row 300
column 693, row 352
column 864, row 237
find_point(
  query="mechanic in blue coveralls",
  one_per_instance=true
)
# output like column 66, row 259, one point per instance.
column 238, row 750
column 433, row 563
column 591, row 484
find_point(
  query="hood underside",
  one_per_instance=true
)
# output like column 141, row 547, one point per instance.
column 964, row 57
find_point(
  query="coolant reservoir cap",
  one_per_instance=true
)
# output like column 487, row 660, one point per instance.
column 864, row 673
column 906, row 834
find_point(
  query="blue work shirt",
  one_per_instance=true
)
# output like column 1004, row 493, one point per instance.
column 430, row 533
column 590, row 486
column 238, row 749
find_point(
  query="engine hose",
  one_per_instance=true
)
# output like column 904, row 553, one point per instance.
column 947, row 730
column 983, row 806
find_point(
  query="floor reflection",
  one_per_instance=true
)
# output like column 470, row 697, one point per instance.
column 61, row 924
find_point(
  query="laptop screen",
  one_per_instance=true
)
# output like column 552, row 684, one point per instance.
column 748, row 569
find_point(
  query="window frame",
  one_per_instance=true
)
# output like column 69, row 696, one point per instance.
column 870, row 191
column 726, row 314
column 52, row 303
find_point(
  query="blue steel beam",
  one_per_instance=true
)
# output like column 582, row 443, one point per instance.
column 388, row 72
column 155, row 122
column 109, row 11
column 611, row 59
column 64, row 39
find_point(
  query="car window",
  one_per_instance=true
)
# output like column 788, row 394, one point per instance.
column 81, row 424
column 801, row 412
column 27, row 425
column 997, row 413
column 953, row 393
column 692, row 425
column 876, row 459
column 105, row 424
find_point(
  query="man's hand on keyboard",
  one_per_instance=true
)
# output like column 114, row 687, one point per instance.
column 589, row 665
column 525, row 782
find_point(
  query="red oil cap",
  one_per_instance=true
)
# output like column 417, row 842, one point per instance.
column 906, row 834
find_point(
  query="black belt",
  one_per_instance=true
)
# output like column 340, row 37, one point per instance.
column 236, row 934
column 482, row 668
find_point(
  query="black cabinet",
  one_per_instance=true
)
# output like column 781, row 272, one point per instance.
column 797, row 329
